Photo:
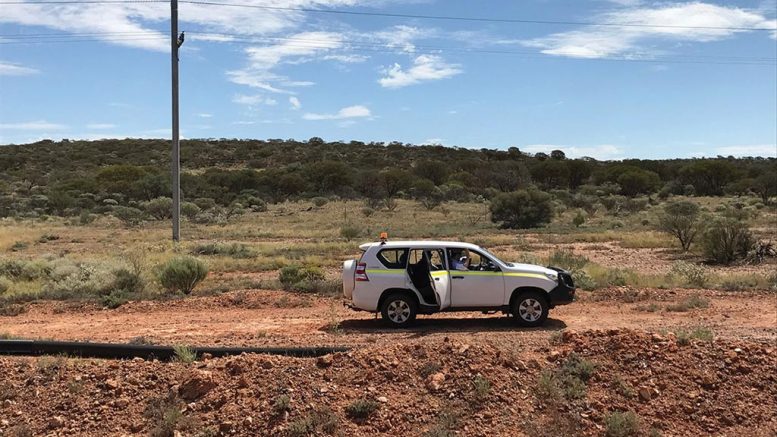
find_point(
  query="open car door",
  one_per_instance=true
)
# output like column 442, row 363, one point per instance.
column 440, row 277
column 427, row 273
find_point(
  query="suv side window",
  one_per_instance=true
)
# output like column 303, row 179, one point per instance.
column 482, row 263
column 436, row 260
column 393, row 258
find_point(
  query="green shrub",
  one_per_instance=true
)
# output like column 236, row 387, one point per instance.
column 620, row 424
column 692, row 302
column 78, row 280
column 319, row 421
column 616, row 278
column 568, row 260
column 567, row 382
column 579, row 219
column 319, row 201
column 727, row 239
column 331, row 287
column 481, row 387
column 349, row 232
column 86, row 218
column 45, row 238
column 291, row 276
column 128, row 215
column 190, row 210
column 583, row 280
column 127, row 281
column 5, row 285
column 282, row 404
column 367, row 212
column 522, row 209
column 361, row 409
column 692, row 274
column 682, row 220
column 12, row 310
column 182, row 274
column 234, row 250
column 160, row 208
column 184, row 354
column 115, row 299
column 205, row 203
column 429, row 368
column 19, row 246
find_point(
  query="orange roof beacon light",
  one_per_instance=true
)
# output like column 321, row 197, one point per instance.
column 383, row 237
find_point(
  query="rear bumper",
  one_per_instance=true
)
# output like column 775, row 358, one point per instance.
column 349, row 304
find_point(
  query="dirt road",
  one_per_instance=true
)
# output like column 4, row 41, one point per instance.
column 267, row 317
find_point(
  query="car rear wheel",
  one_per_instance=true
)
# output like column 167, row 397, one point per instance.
column 530, row 309
column 399, row 310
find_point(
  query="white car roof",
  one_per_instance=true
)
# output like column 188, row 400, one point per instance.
column 415, row 244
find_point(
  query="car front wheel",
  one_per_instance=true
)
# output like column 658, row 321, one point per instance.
column 530, row 309
column 398, row 310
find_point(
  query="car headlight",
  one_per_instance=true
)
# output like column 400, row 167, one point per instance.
column 552, row 276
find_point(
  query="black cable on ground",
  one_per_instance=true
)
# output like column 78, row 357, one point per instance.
column 125, row 351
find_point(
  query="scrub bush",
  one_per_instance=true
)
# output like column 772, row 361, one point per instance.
column 681, row 220
column 182, row 274
column 619, row 424
column 128, row 215
column 361, row 408
column 726, row 240
column 349, row 232
column 522, row 209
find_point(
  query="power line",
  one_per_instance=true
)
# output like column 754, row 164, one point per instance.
column 394, row 15
column 369, row 47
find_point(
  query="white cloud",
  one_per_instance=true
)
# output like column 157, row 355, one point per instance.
column 263, row 59
column 425, row 68
column 243, row 122
column 601, row 152
column 295, row 103
column 434, row 141
column 765, row 150
column 139, row 18
column 253, row 100
column 356, row 111
column 401, row 37
column 204, row 115
column 32, row 126
column 13, row 69
column 100, row 126
column 695, row 22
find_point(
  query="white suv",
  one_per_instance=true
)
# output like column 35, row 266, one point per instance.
column 404, row 278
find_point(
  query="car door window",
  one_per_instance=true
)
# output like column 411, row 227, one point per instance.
column 479, row 262
column 393, row 258
column 436, row 260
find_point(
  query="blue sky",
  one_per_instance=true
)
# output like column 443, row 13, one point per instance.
column 699, row 83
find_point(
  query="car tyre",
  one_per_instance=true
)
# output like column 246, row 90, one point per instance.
column 530, row 309
column 399, row 310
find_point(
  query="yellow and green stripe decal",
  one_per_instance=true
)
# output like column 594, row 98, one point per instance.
column 385, row 271
column 441, row 273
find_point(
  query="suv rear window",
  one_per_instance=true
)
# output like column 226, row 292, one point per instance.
column 393, row 258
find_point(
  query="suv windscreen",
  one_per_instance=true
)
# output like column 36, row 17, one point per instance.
column 393, row 258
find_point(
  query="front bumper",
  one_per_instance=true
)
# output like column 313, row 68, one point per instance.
column 564, row 293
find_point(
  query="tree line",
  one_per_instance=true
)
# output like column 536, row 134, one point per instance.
column 70, row 177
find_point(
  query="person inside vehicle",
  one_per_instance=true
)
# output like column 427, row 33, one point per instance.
column 460, row 259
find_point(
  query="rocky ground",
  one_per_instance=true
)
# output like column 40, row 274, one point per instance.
column 706, row 371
